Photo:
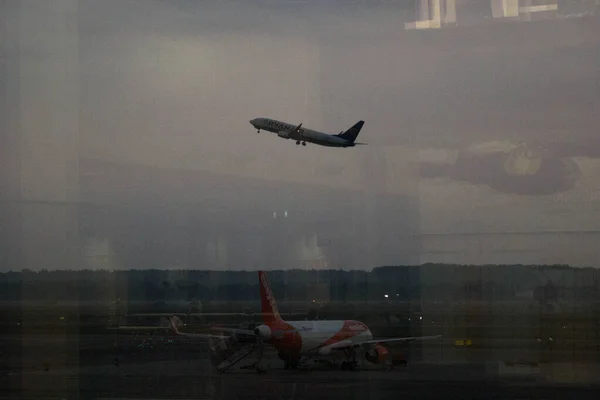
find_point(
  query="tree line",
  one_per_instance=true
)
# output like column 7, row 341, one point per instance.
column 387, row 283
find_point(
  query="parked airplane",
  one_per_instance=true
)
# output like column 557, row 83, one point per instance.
column 303, row 135
column 297, row 341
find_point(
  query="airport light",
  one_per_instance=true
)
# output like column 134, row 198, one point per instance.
column 386, row 296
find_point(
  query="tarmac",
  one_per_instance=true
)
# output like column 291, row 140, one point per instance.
column 184, row 371
column 188, row 379
column 196, row 378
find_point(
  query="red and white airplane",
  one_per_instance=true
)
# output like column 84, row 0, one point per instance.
column 296, row 341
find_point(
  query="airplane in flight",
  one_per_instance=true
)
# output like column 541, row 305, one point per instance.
column 300, row 341
column 304, row 135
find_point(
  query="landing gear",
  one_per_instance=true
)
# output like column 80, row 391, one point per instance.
column 350, row 364
column 298, row 142
column 258, row 131
column 303, row 143
column 388, row 366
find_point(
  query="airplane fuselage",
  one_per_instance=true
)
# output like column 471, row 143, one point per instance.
column 314, row 338
column 289, row 131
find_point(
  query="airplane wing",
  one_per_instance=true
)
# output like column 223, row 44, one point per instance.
column 345, row 344
column 341, row 345
column 176, row 324
column 275, row 333
column 236, row 331
column 403, row 339
column 200, row 335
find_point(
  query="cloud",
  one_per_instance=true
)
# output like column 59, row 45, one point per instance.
column 518, row 169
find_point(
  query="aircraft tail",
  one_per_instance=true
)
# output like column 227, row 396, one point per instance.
column 269, row 310
column 175, row 324
column 352, row 133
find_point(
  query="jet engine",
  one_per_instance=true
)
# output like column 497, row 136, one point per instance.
column 324, row 351
column 263, row 332
column 283, row 134
column 378, row 354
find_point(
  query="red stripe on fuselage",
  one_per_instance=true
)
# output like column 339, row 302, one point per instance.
column 349, row 329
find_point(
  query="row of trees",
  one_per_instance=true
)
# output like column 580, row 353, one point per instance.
column 429, row 281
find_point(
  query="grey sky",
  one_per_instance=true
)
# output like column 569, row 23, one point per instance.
column 190, row 75
column 174, row 83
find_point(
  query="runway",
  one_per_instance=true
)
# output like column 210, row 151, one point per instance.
column 196, row 378
column 128, row 366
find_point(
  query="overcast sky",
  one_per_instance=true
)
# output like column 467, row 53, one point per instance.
column 490, row 135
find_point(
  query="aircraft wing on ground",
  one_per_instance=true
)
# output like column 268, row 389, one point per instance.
column 403, row 339
column 137, row 328
column 176, row 324
column 200, row 335
column 341, row 345
column 346, row 344
column 236, row 331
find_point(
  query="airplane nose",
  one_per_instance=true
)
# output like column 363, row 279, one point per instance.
column 253, row 121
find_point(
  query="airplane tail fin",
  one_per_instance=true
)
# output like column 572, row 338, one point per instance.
column 352, row 133
column 269, row 309
column 175, row 324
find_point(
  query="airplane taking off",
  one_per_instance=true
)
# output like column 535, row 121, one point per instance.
column 297, row 341
column 304, row 135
